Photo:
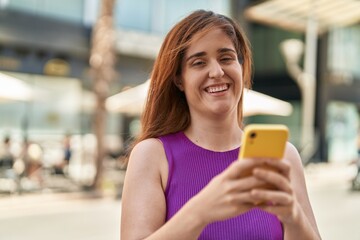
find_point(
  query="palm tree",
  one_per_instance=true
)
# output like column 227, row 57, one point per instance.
column 102, row 61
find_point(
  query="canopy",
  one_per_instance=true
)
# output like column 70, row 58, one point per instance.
column 293, row 14
column 132, row 102
column 13, row 89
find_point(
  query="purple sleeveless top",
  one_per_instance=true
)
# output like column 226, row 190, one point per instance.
column 190, row 169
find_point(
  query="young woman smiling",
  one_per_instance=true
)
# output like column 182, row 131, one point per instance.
column 183, row 179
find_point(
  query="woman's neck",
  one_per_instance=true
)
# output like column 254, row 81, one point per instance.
column 215, row 134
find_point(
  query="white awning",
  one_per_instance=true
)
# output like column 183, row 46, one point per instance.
column 256, row 103
column 132, row 102
column 293, row 14
column 13, row 89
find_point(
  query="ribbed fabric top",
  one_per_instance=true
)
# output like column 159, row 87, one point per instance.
column 191, row 167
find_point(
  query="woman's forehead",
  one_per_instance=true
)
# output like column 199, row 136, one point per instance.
column 215, row 38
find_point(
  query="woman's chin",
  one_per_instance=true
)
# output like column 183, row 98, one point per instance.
column 221, row 110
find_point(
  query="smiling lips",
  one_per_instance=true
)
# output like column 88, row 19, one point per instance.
column 217, row 88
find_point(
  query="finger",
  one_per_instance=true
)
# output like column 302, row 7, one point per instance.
column 275, row 179
column 275, row 198
column 282, row 166
column 243, row 167
column 243, row 198
column 245, row 184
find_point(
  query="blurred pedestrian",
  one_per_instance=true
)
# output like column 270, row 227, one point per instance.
column 6, row 155
column 183, row 180
column 32, row 156
column 62, row 167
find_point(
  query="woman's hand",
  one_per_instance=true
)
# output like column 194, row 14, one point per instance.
column 280, row 200
column 228, row 194
column 288, row 199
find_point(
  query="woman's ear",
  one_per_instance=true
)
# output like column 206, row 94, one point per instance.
column 178, row 83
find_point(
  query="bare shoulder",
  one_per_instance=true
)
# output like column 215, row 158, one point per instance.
column 293, row 156
column 147, row 153
column 147, row 148
column 148, row 157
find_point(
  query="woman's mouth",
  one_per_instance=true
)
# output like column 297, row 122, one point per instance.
column 217, row 88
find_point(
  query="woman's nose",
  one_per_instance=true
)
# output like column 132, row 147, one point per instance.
column 215, row 70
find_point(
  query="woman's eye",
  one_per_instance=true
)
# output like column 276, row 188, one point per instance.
column 198, row 63
column 226, row 59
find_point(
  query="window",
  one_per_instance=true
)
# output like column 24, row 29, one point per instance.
column 68, row 10
column 158, row 16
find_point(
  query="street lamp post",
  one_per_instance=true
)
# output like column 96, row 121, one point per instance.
column 309, row 90
column 292, row 50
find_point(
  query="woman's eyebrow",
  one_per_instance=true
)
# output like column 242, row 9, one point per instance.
column 201, row 54
column 195, row 55
column 225, row 50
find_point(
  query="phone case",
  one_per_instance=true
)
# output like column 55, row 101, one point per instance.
column 264, row 141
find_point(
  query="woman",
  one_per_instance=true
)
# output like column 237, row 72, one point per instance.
column 183, row 180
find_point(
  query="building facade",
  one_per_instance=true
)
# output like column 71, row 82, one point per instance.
column 46, row 45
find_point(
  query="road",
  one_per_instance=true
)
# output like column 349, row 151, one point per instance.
column 71, row 216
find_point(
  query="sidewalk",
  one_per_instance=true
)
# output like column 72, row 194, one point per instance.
column 328, row 174
column 59, row 216
column 39, row 203
column 77, row 215
column 336, row 207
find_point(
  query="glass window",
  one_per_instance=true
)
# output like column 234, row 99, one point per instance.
column 53, row 107
column 344, row 50
column 68, row 10
column 133, row 14
column 341, row 131
column 158, row 16
column 175, row 10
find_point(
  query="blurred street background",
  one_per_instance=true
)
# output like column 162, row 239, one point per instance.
column 73, row 80
column 84, row 216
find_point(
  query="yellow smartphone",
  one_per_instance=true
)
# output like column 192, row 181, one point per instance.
column 264, row 141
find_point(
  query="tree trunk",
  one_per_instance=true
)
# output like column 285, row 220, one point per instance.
column 102, row 61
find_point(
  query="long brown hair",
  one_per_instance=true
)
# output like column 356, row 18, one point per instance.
column 166, row 109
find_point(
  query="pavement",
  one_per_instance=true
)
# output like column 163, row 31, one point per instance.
column 336, row 207
column 79, row 215
column 59, row 216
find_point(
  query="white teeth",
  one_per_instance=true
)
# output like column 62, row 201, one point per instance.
column 217, row 88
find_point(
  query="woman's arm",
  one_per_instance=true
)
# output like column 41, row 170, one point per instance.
column 290, row 203
column 143, row 201
column 306, row 222
column 144, row 206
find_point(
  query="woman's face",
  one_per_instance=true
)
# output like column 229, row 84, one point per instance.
column 211, row 76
